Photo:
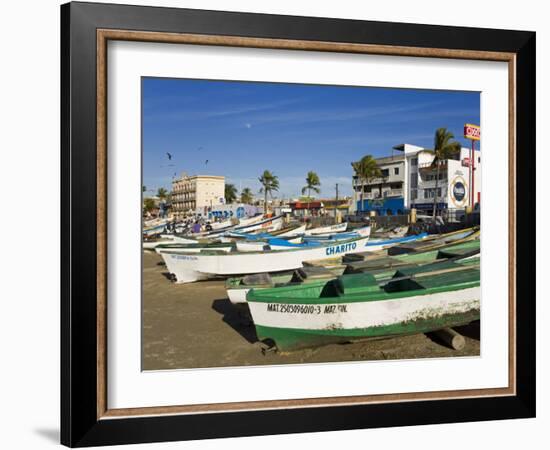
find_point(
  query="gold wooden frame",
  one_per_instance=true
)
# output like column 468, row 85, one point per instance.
column 104, row 35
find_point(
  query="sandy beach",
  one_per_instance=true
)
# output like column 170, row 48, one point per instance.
column 196, row 326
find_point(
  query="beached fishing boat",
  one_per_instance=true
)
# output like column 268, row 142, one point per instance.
column 295, row 237
column 187, row 268
column 385, row 262
column 431, row 242
column 196, row 247
column 271, row 244
column 269, row 224
column 256, row 235
column 363, row 231
column 358, row 306
column 382, row 267
column 329, row 229
column 292, row 231
column 168, row 239
column 279, row 244
column 157, row 229
column 223, row 224
column 436, row 241
column 244, row 221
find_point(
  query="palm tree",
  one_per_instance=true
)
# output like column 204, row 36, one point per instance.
column 162, row 193
column 230, row 193
column 312, row 184
column 246, row 196
column 366, row 170
column 148, row 205
column 270, row 184
column 444, row 148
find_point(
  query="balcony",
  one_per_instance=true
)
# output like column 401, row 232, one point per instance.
column 393, row 193
column 385, row 194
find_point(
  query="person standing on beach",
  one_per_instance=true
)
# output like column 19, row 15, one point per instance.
column 197, row 227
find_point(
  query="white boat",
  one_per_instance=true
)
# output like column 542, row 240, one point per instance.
column 168, row 239
column 223, row 224
column 363, row 231
column 151, row 245
column 274, row 243
column 157, row 229
column 250, row 220
column 195, row 248
column 188, row 267
column 295, row 232
column 330, row 229
column 269, row 224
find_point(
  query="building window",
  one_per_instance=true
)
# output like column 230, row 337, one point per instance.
column 396, row 171
column 385, row 172
column 413, row 194
column 414, row 181
column 426, row 193
column 414, row 161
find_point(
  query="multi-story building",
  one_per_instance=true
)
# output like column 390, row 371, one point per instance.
column 196, row 192
column 385, row 194
column 455, row 185
column 413, row 184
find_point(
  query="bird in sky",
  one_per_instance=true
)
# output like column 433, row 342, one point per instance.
column 206, row 162
column 169, row 156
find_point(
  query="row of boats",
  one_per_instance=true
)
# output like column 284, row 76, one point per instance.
column 306, row 288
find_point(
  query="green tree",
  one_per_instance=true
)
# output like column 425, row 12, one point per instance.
column 246, row 196
column 312, row 184
column 366, row 170
column 270, row 184
column 143, row 188
column 230, row 193
column 148, row 205
column 444, row 148
column 162, row 193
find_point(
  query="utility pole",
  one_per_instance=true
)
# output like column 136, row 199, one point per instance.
column 336, row 203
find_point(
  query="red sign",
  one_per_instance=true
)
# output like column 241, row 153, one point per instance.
column 472, row 132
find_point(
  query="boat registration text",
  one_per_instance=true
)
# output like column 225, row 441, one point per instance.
column 306, row 309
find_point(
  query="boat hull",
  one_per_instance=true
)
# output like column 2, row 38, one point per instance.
column 338, row 228
column 182, row 265
column 294, row 325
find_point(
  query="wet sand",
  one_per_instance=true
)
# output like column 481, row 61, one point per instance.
column 195, row 325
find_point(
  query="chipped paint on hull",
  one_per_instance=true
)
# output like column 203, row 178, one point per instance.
column 294, row 339
column 293, row 325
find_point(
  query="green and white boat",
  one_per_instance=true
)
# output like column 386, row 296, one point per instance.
column 382, row 267
column 358, row 306
column 384, row 262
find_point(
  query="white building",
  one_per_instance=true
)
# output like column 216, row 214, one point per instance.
column 408, row 181
column 454, row 190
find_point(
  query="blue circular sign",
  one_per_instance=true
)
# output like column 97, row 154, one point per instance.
column 459, row 191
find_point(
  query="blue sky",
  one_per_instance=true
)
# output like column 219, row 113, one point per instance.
column 242, row 128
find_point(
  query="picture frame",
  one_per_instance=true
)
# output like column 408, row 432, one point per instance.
column 86, row 28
